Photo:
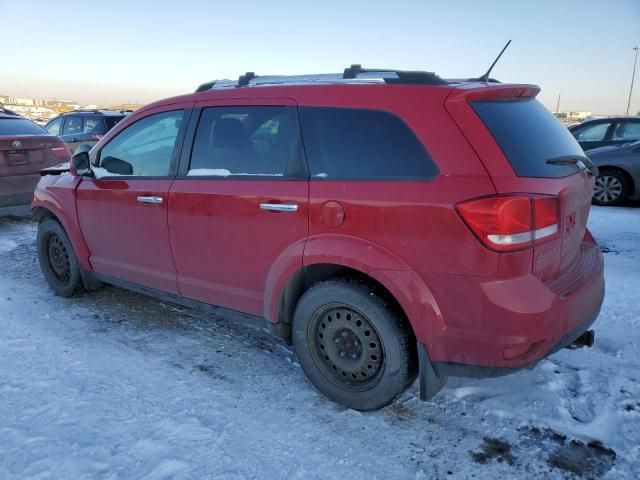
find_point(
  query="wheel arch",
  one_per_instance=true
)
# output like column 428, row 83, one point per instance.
column 43, row 210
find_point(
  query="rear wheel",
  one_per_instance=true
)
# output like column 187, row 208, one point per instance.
column 57, row 258
column 611, row 188
column 353, row 348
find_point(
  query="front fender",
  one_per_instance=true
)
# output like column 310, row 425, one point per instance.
column 56, row 193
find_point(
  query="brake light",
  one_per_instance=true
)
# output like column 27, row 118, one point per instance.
column 509, row 223
column 61, row 152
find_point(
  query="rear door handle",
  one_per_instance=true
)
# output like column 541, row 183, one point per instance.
column 279, row 207
column 153, row 200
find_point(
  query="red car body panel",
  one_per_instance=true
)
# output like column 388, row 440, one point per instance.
column 128, row 239
column 210, row 241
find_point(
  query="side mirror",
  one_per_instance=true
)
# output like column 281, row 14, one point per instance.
column 80, row 165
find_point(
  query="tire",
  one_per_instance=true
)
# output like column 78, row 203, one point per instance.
column 57, row 259
column 611, row 188
column 351, row 346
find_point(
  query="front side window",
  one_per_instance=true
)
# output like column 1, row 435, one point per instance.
column 592, row 133
column 53, row 127
column 627, row 131
column 246, row 141
column 144, row 148
column 350, row 143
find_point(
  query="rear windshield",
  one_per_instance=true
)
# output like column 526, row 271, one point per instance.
column 111, row 120
column 529, row 135
column 20, row 126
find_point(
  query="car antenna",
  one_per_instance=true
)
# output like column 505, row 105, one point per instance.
column 485, row 77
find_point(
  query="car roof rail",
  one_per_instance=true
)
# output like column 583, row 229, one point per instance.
column 415, row 77
column 353, row 74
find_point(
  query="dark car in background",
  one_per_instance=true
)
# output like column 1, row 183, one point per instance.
column 84, row 126
column 619, row 177
column 604, row 132
column 25, row 149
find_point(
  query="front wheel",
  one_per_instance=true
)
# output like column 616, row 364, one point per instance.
column 611, row 188
column 353, row 348
column 57, row 259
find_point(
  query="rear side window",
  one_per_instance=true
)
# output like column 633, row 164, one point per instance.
column 529, row 135
column 629, row 131
column 247, row 141
column 344, row 143
column 111, row 121
column 20, row 126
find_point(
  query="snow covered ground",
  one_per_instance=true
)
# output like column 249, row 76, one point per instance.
column 115, row 385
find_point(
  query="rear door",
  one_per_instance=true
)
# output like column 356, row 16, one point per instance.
column 524, row 148
column 239, row 206
column 625, row 131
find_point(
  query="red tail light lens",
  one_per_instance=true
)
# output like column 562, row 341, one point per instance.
column 508, row 223
column 61, row 152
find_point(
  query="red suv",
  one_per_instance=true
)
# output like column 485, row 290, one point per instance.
column 389, row 224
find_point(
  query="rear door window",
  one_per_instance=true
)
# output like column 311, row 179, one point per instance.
column 529, row 135
column 72, row 125
column 247, row 141
column 627, row 131
column 347, row 143
column 20, row 126
column 93, row 124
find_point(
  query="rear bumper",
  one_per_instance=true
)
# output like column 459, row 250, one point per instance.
column 493, row 327
column 452, row 369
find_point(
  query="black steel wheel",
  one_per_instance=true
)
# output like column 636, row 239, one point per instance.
column 58, row 261
column 352, row 346
column 347, row 345
column 58, row 258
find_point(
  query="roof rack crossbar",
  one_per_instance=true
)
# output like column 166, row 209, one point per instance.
column 402, row 76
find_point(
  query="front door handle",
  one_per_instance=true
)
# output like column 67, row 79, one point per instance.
column 153, row 200
column 279, row 207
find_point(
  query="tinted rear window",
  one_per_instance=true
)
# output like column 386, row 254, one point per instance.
column 529, row 135
column 20, row 126
column 344, row 143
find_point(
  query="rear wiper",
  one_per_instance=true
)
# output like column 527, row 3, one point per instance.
column 575, row 160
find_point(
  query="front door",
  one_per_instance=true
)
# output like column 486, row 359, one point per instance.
column 239, row 206
column 123, row 210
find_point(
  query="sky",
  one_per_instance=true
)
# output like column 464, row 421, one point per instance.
column 114, row 51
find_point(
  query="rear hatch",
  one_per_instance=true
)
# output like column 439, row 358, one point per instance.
column 26, row 148
column 526, row 150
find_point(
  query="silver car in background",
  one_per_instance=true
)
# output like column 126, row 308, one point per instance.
column 619, row 178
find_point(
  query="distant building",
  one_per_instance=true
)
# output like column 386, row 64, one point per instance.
column 573, row 116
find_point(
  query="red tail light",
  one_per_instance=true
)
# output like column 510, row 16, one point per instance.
column 61, row 151
column 508, row 223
